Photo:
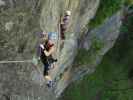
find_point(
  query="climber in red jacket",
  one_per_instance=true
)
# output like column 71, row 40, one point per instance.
column 45, row 51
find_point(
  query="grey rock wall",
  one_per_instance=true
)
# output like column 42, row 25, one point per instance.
column 82, row 12
column 20, row 20
column 19, row 23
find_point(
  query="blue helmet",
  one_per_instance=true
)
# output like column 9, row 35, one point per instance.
column 52, row 35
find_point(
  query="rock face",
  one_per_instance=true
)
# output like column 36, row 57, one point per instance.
column 82, row 12
column 20, row 20
column 2, row 3
column 107, row 35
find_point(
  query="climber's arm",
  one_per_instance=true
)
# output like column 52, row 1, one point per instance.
column 51, row 51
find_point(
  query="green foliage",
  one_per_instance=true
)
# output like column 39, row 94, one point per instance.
column 106, row 9
column 106, row 83
column 88, row 56
column 82, row 56
column 97, row 44
column 128, row 2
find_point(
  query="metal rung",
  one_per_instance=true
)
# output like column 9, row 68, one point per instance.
column 23, row 61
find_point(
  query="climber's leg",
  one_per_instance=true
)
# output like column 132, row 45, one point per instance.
column 46, row 75
column 48, row 78
column 50, row 82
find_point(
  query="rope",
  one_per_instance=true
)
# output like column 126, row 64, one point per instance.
column 17, row 61
column 59, row 39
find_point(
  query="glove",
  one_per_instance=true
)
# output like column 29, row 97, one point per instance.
column 42, row 46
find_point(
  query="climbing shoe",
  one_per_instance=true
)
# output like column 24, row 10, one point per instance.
column 50, row 84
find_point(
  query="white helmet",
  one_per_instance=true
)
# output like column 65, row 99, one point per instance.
column 44, row 33
column 68, row 12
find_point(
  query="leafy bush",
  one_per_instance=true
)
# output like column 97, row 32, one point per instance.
column 128, row 2
column 106, row 9
column 88, row 56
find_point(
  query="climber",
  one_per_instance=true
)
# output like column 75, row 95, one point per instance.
column 45, row 50
column 64, row 24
